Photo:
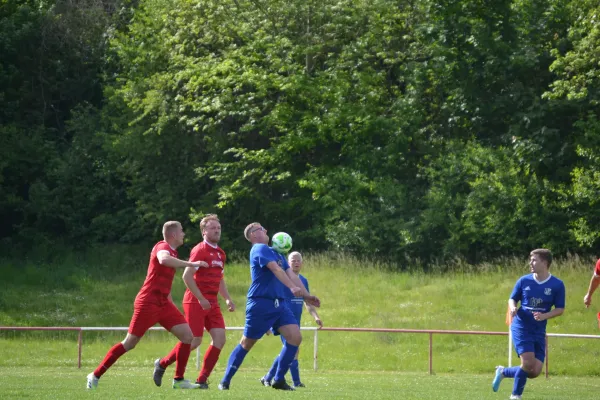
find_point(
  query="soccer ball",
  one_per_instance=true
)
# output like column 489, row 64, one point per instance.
column 281, row 242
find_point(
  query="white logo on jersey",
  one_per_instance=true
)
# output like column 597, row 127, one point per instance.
column 547, row 291
column 527, row 288
column 219, row 255
column 534, row 301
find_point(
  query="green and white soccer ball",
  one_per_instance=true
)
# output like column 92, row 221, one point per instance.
column 281, row 242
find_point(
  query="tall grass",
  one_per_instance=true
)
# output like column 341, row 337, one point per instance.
column 97, row 288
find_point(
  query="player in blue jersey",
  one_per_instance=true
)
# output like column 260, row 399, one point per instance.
column 538, row 293
column 296, row 304
column 266, row 308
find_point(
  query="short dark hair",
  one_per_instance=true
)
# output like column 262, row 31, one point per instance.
column 544, row 254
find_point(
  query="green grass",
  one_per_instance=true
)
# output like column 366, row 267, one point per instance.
column 135, row 383
column 97, row 288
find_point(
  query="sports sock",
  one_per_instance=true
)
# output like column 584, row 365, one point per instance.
column 285, row 359
column 111, row 357
column 520, row 381
column 273, row 369
column 235, row 360
column 208, row 362
column 183, row 354
column 170, row 358
column 295, row 371
column 510, row 372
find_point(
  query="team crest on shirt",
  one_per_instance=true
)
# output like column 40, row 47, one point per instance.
column 219, row 255
column 547, row 291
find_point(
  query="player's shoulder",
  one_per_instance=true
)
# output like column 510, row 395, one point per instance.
column 162, row 245
column 261, row 248
column 556, row 281
column 303, row 279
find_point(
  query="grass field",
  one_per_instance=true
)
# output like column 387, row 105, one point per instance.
column 136, row 383
column 97, row 288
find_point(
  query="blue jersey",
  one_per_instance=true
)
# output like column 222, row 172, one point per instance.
column 264, row 283
column 536, row 297
column 296, row 304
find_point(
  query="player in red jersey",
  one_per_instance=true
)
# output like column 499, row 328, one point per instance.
column 594, row 283
column 200, row 301
column 153, row 304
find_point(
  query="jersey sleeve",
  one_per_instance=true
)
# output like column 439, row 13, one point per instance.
column 305, row 281
column 197, row 254
column 264, row 255
column 517, row 294
column 161, row 247
column 559, row 299
column 597, row 269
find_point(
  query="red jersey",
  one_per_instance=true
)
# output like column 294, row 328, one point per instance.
column 159, row 279
column 597, row 270
column 207, row 279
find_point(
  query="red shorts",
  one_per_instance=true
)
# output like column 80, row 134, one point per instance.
column 198, row 318
column 145, row 315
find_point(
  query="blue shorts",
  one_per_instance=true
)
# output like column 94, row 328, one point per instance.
column 264, row 314
column 528, row 342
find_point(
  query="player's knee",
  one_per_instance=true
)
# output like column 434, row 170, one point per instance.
column 130, row 342
column 295, row 339
column 187, row 337
column 536, row 371
column 247, row 343
column 219, row 342
column 529, row 367
column 196, row 341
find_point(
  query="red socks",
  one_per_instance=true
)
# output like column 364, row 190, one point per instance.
column 111, row 357
column 208, row 363
column 182, row 354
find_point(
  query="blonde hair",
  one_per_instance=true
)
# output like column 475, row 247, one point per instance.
column 206, row 220
column 249, row 228
column 294, row 253
column 168, row 228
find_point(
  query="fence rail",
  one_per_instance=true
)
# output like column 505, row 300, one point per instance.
column 429, row 332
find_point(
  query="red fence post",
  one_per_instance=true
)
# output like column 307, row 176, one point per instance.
column 430, row 353
column 79, row 345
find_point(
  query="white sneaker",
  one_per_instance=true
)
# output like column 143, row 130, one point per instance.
column 92, row 381
column 515, row 397
column 184, row 384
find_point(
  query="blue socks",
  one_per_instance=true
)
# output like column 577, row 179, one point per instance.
column 520, row 381
column 520, row 378
column 295, row 371
column 235, row 360
column 287, row 355
column 273, row 369
column 510, row 372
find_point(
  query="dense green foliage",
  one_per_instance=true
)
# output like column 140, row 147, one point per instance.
column 424, row 129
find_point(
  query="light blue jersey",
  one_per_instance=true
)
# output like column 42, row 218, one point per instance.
column 536, row 297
